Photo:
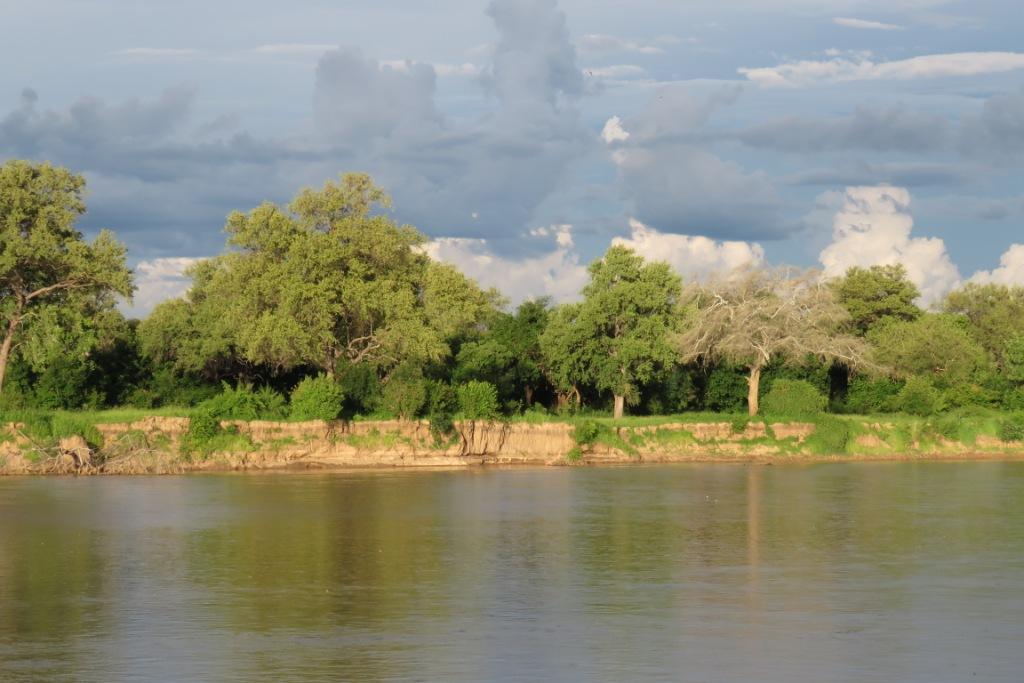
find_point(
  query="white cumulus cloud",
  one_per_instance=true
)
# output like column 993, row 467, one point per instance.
column 874, row 227
column 156, row 281
column 692, row 256
column 1010, row 271
column 613, row 131
column 839, row 69
column 865, row 24
column 557, row 274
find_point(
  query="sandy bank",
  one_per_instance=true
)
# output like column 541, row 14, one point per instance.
column 154, row 446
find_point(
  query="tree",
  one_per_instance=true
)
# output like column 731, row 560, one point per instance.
column 874, row 294
column 936, row 346
column 995, row 312
column 758, row 316
column 323, row 282
column 51, row 279
column 618, row 336
column 508, row 354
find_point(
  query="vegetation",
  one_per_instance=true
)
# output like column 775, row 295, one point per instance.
column 326, row 308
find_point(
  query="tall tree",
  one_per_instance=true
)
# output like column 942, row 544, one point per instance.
column 758, row 316
column 324, row 282
column 936, row 345
column 618, row 336
column 878, row 293
column 995, row 313
column 50, row 277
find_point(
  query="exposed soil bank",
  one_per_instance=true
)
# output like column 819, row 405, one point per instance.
column 154, row 446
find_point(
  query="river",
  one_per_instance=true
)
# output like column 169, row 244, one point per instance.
column 828, row 572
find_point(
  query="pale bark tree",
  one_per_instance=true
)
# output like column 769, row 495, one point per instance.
column 753, row 317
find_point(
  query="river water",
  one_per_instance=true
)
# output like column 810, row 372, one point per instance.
column 831, row 572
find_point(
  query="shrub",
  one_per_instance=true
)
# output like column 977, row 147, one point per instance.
column 317, row 398
column 738, row 424
column 442, row 404
column 243, row 403
column 478, row 400
column 64, row 426
column 726, row 390
column 947, row 426
column 1011, row 427
column 866, row 396
column 831, row 435
column 586, row 433
column 404, row 396
column 919, row 397
column 203, row 426
column 794, row 398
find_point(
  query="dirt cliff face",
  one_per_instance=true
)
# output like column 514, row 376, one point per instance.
column 155, row 445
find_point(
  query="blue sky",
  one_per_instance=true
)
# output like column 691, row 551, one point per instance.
column 524, row 136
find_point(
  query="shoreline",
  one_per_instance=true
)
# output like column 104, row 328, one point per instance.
column 160, row 445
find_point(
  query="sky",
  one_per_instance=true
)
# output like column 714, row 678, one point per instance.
column 524, row 137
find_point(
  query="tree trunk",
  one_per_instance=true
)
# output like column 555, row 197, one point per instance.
column 754, row 389
column 5, row 350
column 620, row 406
column 528, row 392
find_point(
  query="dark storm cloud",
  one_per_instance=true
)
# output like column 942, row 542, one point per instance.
column 877, row 129
column 677, row 186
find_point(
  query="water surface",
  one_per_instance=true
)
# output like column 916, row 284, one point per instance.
column 833, row 572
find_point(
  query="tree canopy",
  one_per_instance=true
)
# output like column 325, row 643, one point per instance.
column 760, row 315
column 618, row 334
column 872, row 295
column 54, row 286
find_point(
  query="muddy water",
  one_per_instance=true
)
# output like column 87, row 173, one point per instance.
column 835, row 572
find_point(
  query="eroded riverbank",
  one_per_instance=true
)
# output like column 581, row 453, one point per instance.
column 158, row 445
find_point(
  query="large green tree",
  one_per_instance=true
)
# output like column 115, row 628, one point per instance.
column 937, row 346
column 52, row 282
column 756, row 317
column 326, row 281
column 995, row 312
column 618, row 336
column 872, row 295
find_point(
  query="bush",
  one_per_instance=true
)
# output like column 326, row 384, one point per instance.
column 866, row 396
column 478, row 401
column 442, row 404
column 243, row 403
column 794, row 398
column 317, row 398
column 831, row 436
column 585, row 433
column 405, row 394
column 1011, row 428
column 726, row 390
column 919, row 397
column 203, row 426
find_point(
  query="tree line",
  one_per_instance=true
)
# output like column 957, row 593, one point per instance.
column 329, row 294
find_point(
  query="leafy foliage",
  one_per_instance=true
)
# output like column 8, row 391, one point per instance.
column 794, row 398
column 317, row 398
column 245, row 403
column 876, row 294
column 1011, row 427
column 478, row 401
column 919, row 397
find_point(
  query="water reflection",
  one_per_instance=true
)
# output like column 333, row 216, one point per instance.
column 903, row 571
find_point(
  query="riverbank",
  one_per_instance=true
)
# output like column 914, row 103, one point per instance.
column 163, row 444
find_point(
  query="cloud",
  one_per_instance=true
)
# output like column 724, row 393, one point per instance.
column 874, row 227
column 998, row 129
column 617, row 72
column 686, row 189
column 1010, row 271
column 693, row 257
column 613, row 131
column 557, row 273
column 865, row 24
column 839, row 70
column 874, row 128
column 293, row 49
column 156, row 281
column 600, row 43
column 158, row 53
column 905, row 174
